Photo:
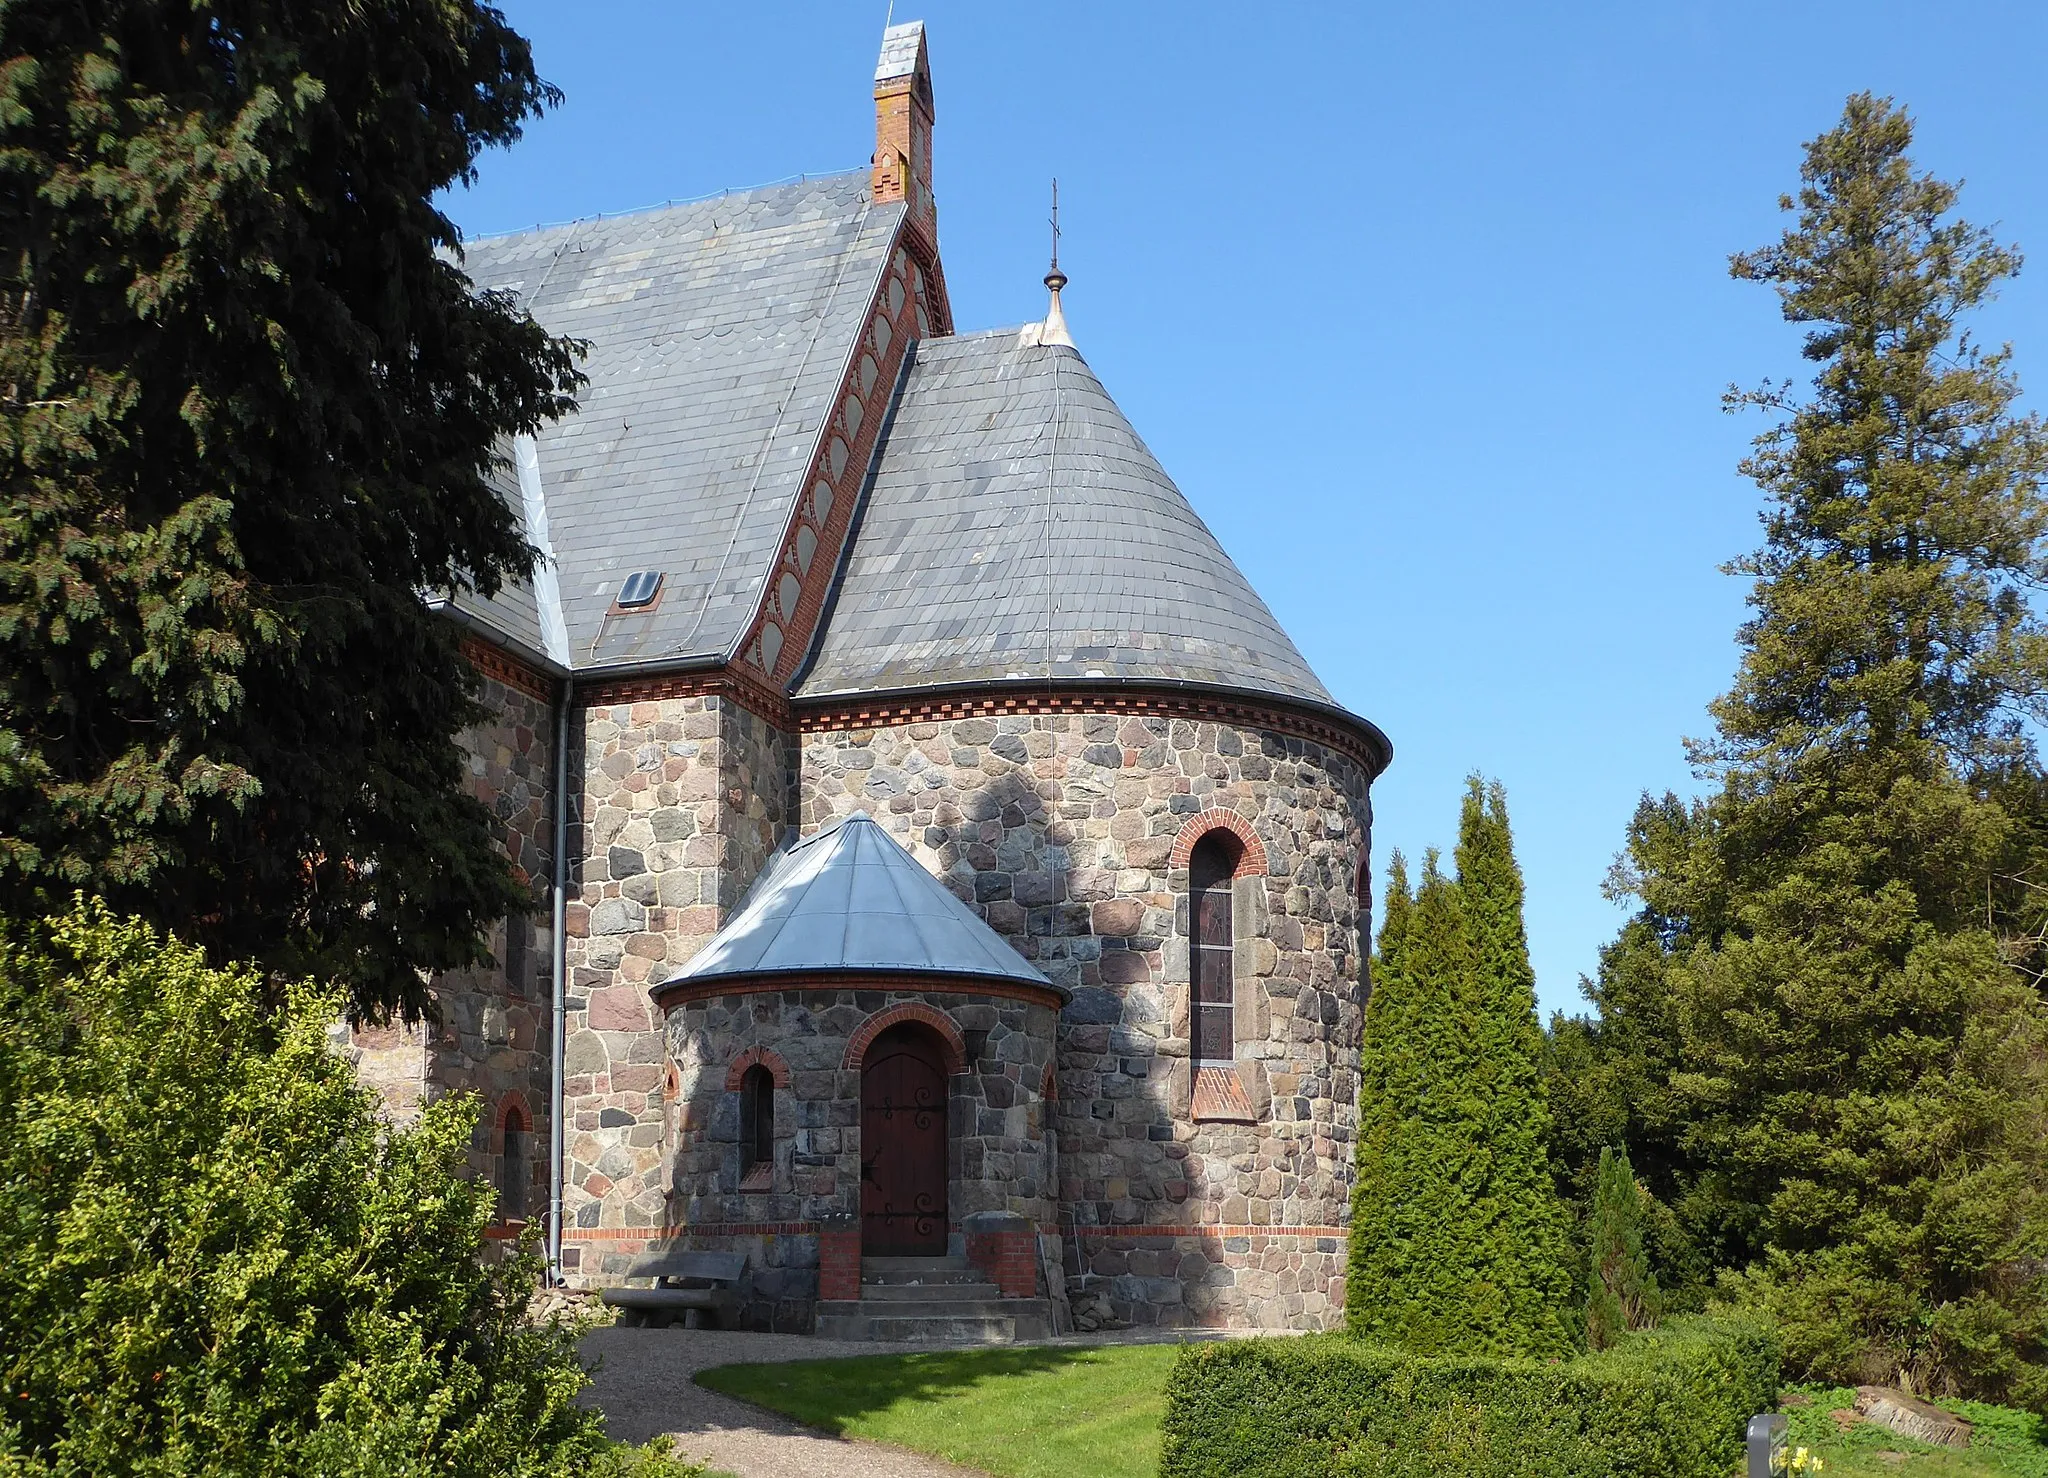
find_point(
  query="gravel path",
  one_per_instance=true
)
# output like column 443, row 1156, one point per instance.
column 645, row 1389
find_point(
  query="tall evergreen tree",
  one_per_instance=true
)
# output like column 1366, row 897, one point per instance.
column 1519, row 1197
column 1457, row 1239
column 1857, row 1066
column 248, row 405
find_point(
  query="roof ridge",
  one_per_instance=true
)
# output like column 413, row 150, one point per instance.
column 804, row 178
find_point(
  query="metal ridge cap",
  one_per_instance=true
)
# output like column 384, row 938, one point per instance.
column 1373, row 734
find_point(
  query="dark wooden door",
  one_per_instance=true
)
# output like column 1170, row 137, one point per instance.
column 903, row 1146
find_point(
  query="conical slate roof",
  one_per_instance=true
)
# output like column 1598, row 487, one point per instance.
column 849, row 898
column 1018, row 529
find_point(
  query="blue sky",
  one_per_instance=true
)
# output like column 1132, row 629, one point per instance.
column 1425, row 308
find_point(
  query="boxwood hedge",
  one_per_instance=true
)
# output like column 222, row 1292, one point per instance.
column 1671, row 1402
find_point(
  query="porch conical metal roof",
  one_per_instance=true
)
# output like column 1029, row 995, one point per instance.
column 850, row 898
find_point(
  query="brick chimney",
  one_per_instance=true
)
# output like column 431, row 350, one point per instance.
column 903, row 128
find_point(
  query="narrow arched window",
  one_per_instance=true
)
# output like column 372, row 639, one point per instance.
column 512, row 1172
column 757, row 1129
column 517, row 937
column 1213, row 994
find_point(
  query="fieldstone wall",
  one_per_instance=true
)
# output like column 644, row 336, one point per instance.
column 491, row 1038
column 1059, row 829
column 680, row 807
column 1235, row 1278
column 996, row 1124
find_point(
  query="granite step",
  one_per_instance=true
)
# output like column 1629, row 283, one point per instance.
column 873, row 1266
column 948, row 1292
column 927, row 1277
column 940, row 1320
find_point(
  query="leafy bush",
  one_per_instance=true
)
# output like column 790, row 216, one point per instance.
column 1672, row 1401
column 216, row 1260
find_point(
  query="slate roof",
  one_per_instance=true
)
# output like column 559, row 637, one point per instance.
column 849, row 898
column 514, row 612
column 1012, row 499
column 718, row 331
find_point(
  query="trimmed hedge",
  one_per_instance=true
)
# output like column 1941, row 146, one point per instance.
column 1671, row 1402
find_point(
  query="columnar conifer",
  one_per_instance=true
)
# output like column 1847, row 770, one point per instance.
column 1621, row 1289
column 1457, row 1238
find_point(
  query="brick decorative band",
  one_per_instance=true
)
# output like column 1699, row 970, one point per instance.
column 1207, row 1230
column 496, row 662
column 681, row 992
column 706, row 682
column 704, row 1229
column 1332, row 728
column 1340, row 731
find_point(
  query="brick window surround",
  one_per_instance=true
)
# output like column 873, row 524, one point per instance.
column 1216, row 1093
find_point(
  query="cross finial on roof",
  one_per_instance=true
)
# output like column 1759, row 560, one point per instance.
column 1055, row 279
column 1054, row 329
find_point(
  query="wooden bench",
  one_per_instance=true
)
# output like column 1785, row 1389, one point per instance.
column 686, row 1283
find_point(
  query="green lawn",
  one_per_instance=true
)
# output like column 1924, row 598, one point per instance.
column 1018, row 1413
column 1079, row 1413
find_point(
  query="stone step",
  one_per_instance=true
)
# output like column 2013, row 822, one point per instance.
column 960, row 1321
column 949, row 1292
column 926, row 1277
column 956, row 1263
column 952, row 1329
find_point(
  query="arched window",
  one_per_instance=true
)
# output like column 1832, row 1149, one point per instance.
column 1365, row 931
column 1212, row 1005
column 757, row 1129
column 517, row 937
column 512, row 1172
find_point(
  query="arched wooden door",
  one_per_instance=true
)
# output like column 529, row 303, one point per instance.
column 903, row 1145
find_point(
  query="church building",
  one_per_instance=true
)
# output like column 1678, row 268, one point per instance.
column 963, row 909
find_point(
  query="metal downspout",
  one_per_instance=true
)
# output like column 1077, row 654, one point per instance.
column 547, row 596
column 558, row 1100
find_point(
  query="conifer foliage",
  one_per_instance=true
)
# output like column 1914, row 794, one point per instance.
column 248, row 404
column 1621, row 1289
column 1458, row 1239
column 1850, row 1091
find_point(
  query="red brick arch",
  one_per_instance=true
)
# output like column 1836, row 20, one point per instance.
column 931, row 1016
column 512, row 1102
column 1251, row 861
column 766, row 1057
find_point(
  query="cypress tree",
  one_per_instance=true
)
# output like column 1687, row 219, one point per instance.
column 1412, row 1276
column 1457, row 1239
column 1857, row 1066
column 1519, row 1198
column 1622, row 1291
column 251, row 406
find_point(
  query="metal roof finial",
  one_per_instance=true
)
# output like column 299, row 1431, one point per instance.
column 1054, row 329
